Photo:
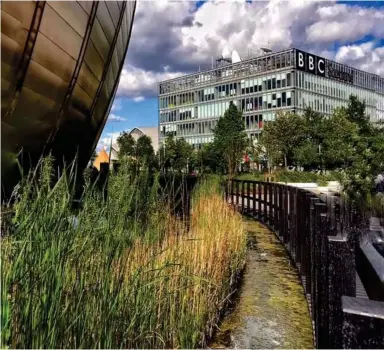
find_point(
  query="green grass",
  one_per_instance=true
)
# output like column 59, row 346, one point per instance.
column 126, row 274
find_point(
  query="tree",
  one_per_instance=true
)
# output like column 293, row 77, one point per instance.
column 126, row 144
column 208, row 159
column 282, row 136
column 230, row 139
column 144, row 152
column 184, row 152
column 176, row 154
column 366, row 159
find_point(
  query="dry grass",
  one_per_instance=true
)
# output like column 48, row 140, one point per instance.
column 120, row 277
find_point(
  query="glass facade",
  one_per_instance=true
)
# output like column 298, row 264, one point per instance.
column 190, row 106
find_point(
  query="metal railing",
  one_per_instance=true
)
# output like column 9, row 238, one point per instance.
column 320, row 237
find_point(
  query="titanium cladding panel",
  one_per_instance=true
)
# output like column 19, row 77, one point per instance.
column 60, row 67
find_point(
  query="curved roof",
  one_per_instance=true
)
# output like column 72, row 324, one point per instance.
column 60, row 67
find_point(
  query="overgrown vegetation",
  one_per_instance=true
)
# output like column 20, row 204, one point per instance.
column 345, row 142
column 119, row 272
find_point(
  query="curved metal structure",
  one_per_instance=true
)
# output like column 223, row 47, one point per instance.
column 60, row 67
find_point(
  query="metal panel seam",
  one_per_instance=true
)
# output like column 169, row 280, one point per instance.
column 102, row 123
column 76, row 71
column 27, row 54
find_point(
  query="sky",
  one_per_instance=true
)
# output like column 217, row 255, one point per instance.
column 174, row 38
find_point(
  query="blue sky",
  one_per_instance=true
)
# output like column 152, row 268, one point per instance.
column 170, row 39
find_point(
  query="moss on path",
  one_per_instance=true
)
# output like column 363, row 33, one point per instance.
column 271, row 310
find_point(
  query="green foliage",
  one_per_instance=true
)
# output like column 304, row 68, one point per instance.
column 145, row 154
column 126, row 145
column 176, row 154
column 281, row 137
column 208, row 159
column 230, row 140
column 345, row 141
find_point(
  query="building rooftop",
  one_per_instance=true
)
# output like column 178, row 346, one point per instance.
column 268, row 61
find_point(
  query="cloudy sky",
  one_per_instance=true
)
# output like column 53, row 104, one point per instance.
column 172, row 38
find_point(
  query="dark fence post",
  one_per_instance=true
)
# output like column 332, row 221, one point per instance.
column 292, row 218
column 248, row 198
column 341, row 281
column 310, row 271
column 270, row 203
column 363, row 323
column 254, row 198
column 281, row 211
column 265, row 208
column 237, row 194
column 259, row 199
column 299, row 214
column 319, row 222
column 275, row 208
column 242, row 196
column 285, row 213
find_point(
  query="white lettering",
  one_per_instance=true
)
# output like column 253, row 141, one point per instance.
column 301, row 60
column 321, row 66
column 310, row 62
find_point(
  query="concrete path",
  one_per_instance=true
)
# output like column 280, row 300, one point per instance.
column 271, row 311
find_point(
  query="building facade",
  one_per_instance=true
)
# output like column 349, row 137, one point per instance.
column 289, row 80
column 60, row 68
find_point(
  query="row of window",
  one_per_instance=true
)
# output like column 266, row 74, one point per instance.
column 257, row 65
column 267, row 101
column 336, row 89
column 215, row 110
column 252, row 122
column 248, row 86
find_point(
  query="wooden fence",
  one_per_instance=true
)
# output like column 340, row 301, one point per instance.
column 322, row 237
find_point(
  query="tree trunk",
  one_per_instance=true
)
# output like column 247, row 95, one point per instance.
column 285, row 160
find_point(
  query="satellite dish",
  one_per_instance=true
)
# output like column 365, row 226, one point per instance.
column 226, row 53
column 235, row 57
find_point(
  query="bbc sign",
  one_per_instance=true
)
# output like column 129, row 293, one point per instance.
column 320, row 66
column 310, row 63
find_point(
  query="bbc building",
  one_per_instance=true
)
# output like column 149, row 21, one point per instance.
column 289, row 80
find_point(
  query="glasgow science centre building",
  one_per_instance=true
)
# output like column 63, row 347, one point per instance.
column 289, row 80
column 60, row 68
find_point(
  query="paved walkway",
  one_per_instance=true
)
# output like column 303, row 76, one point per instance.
column 271, row 310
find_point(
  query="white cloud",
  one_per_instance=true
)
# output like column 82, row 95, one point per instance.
column 173, row 38
column 345, row 23
column 105, row 142
column 138, row 99
column 364, row 56
column 136, row 82
column 116, row 106
column 115, row 118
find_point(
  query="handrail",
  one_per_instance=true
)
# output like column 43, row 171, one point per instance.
column 318, row 236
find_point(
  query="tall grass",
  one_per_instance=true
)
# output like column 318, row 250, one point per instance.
column 121, row 271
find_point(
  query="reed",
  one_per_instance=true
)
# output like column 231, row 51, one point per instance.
column 121, row 271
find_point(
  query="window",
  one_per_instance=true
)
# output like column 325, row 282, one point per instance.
column 273, row 83
column 288, row 79
column 283, row 81
column 289, row 102
column 278, row 82
column 284, row 99
column 278, row 96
